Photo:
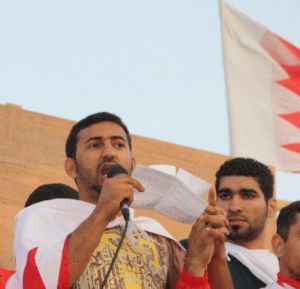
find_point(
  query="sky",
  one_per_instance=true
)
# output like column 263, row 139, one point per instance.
column 157, row 64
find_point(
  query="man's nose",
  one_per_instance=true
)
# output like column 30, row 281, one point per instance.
column 235, row 204
column 108, row 151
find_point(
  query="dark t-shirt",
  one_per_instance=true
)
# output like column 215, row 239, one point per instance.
column 241, row 276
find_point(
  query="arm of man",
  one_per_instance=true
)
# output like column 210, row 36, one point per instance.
column 193, row 275
column 87, row 236
column 218, row 271
column 82, row 243
column 209, row 231
column 201, row 248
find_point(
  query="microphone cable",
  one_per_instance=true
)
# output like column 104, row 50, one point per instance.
column 115, row 255
column 114, row 171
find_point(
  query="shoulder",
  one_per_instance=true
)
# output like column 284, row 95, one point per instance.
column 43, row 220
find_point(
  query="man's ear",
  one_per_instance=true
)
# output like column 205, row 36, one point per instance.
column 70, row 168
column 278, row 245
column 272, row 207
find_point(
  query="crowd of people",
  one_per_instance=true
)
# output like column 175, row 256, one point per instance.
column 69, row 239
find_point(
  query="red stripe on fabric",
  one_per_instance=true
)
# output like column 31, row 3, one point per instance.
column 294, row 147
column 4, row 276
column 292, row 48
column 293, row 118
column 292, row 84
column 292, row 70
column 285, row 280
column 188, row 281
column 31, row 275
column 64, row 273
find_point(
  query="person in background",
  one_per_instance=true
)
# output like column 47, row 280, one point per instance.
column 245, row 190
column 51, row 191
column 286, row 245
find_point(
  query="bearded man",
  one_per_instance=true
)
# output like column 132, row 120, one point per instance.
column 245, row 191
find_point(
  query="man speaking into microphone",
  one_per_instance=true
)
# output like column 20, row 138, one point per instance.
column 88, row 231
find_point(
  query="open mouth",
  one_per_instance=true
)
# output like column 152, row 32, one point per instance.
column 105, row 168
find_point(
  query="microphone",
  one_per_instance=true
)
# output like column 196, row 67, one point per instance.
column 112, row 172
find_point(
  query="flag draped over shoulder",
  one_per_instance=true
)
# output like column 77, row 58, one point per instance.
column 262, row 263
column 262, row 73
column 41, row 241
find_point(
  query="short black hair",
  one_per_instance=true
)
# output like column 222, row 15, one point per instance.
column 248, row 167
column 87, row 122
column 51, row 191
column 286, row 218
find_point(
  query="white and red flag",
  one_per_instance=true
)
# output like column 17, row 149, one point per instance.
column 41, row 241
column 262, row 73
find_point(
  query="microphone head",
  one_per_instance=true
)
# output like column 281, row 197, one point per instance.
column 116, row 170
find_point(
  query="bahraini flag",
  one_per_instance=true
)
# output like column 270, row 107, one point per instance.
column 41, row 241
column 262, row 73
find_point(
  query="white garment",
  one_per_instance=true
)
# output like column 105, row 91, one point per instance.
column 277, row 286
column 261, row 262
column 47, row 224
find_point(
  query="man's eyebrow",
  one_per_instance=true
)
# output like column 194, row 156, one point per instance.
column 117, row 137
column 248, row 190
column 100, row 138
column 94, row 138
column 224, row 190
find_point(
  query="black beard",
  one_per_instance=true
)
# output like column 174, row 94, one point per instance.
column 246, row 236
column 256, row 227
column 94, row 187
column 95, row 190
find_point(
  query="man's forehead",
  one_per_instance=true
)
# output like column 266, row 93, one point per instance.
column 297, row 218
column 105, row 129
column 295, row 226
column 238, row 182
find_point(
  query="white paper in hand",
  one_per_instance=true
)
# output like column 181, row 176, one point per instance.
column 176, row 196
